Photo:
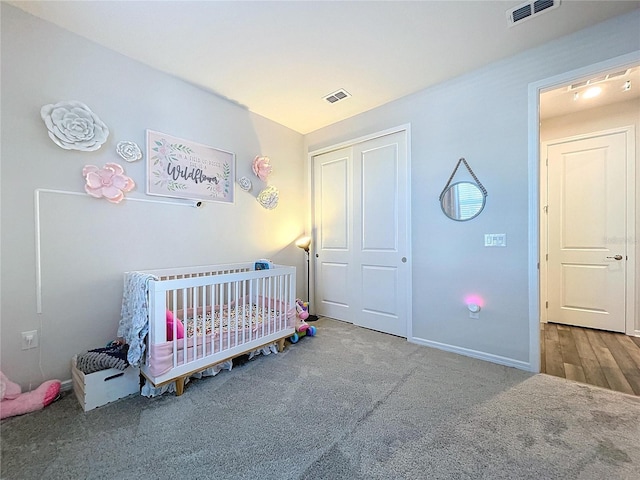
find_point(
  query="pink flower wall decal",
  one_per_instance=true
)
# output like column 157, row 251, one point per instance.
column 261, row 167
column 109, row 182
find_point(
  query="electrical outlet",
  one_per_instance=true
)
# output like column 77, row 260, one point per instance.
column 29, row 340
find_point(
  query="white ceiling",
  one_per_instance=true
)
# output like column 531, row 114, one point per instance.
column 279, row 59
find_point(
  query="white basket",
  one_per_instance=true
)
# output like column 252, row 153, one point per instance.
column 99, row 388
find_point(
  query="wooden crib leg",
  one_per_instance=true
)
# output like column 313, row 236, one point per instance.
column 281, row 345
column 180, row 386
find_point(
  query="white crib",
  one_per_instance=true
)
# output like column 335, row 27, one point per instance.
column 226, row 311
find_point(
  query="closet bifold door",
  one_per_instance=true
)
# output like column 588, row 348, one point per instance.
column 361, row 209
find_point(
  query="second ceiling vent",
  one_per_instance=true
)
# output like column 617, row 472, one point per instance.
column 529, row 10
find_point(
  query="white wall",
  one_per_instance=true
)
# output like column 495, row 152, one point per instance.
column 86, row 243
column 481, row 116
column 621, row 114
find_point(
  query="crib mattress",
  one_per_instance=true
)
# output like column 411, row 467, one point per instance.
column 242, row 316
column 211, row 332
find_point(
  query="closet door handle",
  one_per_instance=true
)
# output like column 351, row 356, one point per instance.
column 616, row 257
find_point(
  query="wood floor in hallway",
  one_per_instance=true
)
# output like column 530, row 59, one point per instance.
column 606, row 359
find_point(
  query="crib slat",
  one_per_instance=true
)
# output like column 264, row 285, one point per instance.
column 244, row 317
column 175, row 336
column 212, row 302
column 219, row 327
column 280, row 297
column 285, row 301
column 266, row 304
column 235, row 298
column 185, row 356
column 251, row 320
column 193, row 298
column 202, row 307
column 269, row 296
column 262, row 302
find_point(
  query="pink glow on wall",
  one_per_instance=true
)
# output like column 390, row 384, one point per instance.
column 474, row 298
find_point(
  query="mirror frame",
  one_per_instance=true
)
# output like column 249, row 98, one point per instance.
column 444, row 194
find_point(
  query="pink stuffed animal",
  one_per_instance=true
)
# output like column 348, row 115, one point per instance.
column 302, row 308
column 14, row 402
column 179, row 327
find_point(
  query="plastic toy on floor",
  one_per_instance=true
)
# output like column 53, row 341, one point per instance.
column 14, row 402
column 302, row 328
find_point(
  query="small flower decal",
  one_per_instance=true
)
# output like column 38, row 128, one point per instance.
column 245, row 184
column 109, row 182
column 130, row 151
column 73, row 126
column 268, row 197
column 261, row 167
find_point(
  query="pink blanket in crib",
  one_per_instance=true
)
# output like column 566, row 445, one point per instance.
column 216, row 331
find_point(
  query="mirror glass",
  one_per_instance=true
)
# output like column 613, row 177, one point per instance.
column 462, row 201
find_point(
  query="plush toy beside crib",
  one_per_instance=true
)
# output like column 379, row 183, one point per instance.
column 14, row 402
column 302, row 328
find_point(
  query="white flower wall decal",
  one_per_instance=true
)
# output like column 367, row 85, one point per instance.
column 245, row 184
column 269, row 197
column 73, row 126
column 130, row 151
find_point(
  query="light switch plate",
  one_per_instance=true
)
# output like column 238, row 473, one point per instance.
column 495, row 239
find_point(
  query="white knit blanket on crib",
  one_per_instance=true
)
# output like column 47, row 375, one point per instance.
column 134, row 321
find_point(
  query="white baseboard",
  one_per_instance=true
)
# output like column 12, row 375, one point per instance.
column 66, row 386
column 489, row 357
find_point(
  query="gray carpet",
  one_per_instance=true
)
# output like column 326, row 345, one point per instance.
column 348, row 403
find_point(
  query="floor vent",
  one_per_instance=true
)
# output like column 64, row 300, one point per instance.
column 337, row 96
column 529, row 10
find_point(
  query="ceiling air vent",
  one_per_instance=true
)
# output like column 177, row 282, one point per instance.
column 530, row 10
column 337, row 96
column 621, row 73
column 601, row 78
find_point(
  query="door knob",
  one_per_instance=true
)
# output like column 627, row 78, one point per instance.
column 616, row 257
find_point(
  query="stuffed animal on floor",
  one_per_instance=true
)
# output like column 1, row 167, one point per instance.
column 302, row 327
column 14, row 402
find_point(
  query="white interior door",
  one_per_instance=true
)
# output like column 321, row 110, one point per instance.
column 587, row 231
column 332, row 174
column 361, row 208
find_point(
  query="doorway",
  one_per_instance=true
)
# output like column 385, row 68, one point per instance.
column 360, row 213
column 585, row 210
column 538, row 251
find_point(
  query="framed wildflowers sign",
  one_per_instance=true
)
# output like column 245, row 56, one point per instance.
column 184, row 169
